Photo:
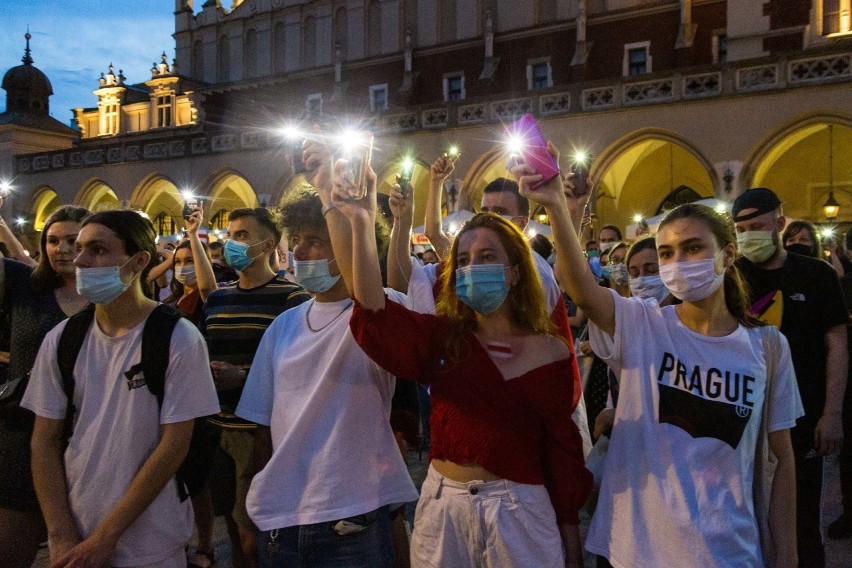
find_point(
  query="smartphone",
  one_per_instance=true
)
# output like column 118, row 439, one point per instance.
column 357, row 151
column 190, row 206
column 533, row 148
column 580, row 178
column 404, row 177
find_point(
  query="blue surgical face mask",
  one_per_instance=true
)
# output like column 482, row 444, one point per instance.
column 101, row 285
column 605, row 272
column 313, row 275
column 236, row 254
column 482, row 287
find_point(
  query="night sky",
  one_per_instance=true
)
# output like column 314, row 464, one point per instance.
column 73, row 42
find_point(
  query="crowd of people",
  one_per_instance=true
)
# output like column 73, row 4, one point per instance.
column 288, row 377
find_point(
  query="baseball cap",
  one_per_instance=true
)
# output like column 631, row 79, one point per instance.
column 761, row 199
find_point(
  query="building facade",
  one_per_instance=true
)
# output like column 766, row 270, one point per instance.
column 674, row 99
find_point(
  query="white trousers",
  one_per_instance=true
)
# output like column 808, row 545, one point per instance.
column 499, row 524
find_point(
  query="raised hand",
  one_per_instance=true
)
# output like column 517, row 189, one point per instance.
column 342, row 190
column 442, row 167
column 400, row 204
column 193, row 222
column 317, row 157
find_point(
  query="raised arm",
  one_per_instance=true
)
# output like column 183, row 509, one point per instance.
column 573, row 271
column 399, row 255
column 317, row 158
column 441, row 168
column 160, row 270
column 16, row 249
column 204, row 275
column 366, row 274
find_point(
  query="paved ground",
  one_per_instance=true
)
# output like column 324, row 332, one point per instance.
column 839, row 552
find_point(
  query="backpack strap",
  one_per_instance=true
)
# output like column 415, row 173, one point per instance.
column 67, row 349
column 156, row 340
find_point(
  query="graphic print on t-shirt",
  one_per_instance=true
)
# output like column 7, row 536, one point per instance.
column 706, row 402
column 770, row 308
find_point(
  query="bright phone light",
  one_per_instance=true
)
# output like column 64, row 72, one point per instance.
column 638, row 218
column 580, row 157
column 187, row 195
column 721, row 207
column 515, row 143
column 827, row 233
column 453, row 151
column 291, row 132
column 20, row 221
column 5, row 186
column 407, row 164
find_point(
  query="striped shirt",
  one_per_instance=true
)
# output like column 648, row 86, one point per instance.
column 234, row 322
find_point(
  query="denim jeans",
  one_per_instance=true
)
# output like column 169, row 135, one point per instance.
column 321, row 546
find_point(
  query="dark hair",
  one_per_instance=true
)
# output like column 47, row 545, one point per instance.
column 736, row 289
column 136, row 234
column 262, row 215
column 591, row 242
column 645, row 243
column 612, row 228
column 541, row 245
column 615, row 247
column 528, row 310
column 216, row 245
column 175, row 286
column 44, row 278
column 797, row 227
column 509, row 186
column 302, row 209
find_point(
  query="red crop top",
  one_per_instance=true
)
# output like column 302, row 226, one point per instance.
column 520, row 429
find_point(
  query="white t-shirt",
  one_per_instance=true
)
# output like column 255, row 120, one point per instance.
column 677, row 482
column 327, row 405
column 423, row 278
column 117, row 429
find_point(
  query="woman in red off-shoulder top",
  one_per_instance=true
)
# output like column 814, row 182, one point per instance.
column 507, row 475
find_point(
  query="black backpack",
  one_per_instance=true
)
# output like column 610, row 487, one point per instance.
column 156, row 338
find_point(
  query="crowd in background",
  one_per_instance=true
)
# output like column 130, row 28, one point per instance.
column 585, row 399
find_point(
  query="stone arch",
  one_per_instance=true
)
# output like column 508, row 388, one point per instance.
column 96, row 195
column 386, row 178
column 43, row 203
column 228, row 190
column 794, row 161
column 158, row 197
column 628, row 179
column 490, row 165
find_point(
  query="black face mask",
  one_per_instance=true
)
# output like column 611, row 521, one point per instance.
column 799, row 248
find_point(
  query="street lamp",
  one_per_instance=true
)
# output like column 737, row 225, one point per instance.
column 831, row 207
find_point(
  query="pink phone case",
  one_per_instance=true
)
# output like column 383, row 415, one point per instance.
column 534, row 149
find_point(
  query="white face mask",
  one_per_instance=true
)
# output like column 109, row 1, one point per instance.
column 606, row 246
column 102, row 285
column 645, row 287
column 692, row 280
column 757, row 246
column 186, row 274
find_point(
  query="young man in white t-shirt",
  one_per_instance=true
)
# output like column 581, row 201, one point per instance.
column 110, row 498
column 335, row 470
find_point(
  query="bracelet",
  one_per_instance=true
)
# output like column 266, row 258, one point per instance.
column 326, row 208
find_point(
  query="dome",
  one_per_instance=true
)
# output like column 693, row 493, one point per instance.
column 27, row 88
column 27, row 78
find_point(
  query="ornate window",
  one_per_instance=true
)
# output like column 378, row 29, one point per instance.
column 309, row 42
column 163, row 110
column 374, row 28
column 637, row 59
column 539, row 74
column 110, row 119
column 197, row 61
column 250, row 54
column 279, row 47
column 379, row 97
column 454, row 87
column 836, row 16
column 223, row 59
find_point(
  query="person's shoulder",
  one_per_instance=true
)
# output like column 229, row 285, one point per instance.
column 812, row 268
